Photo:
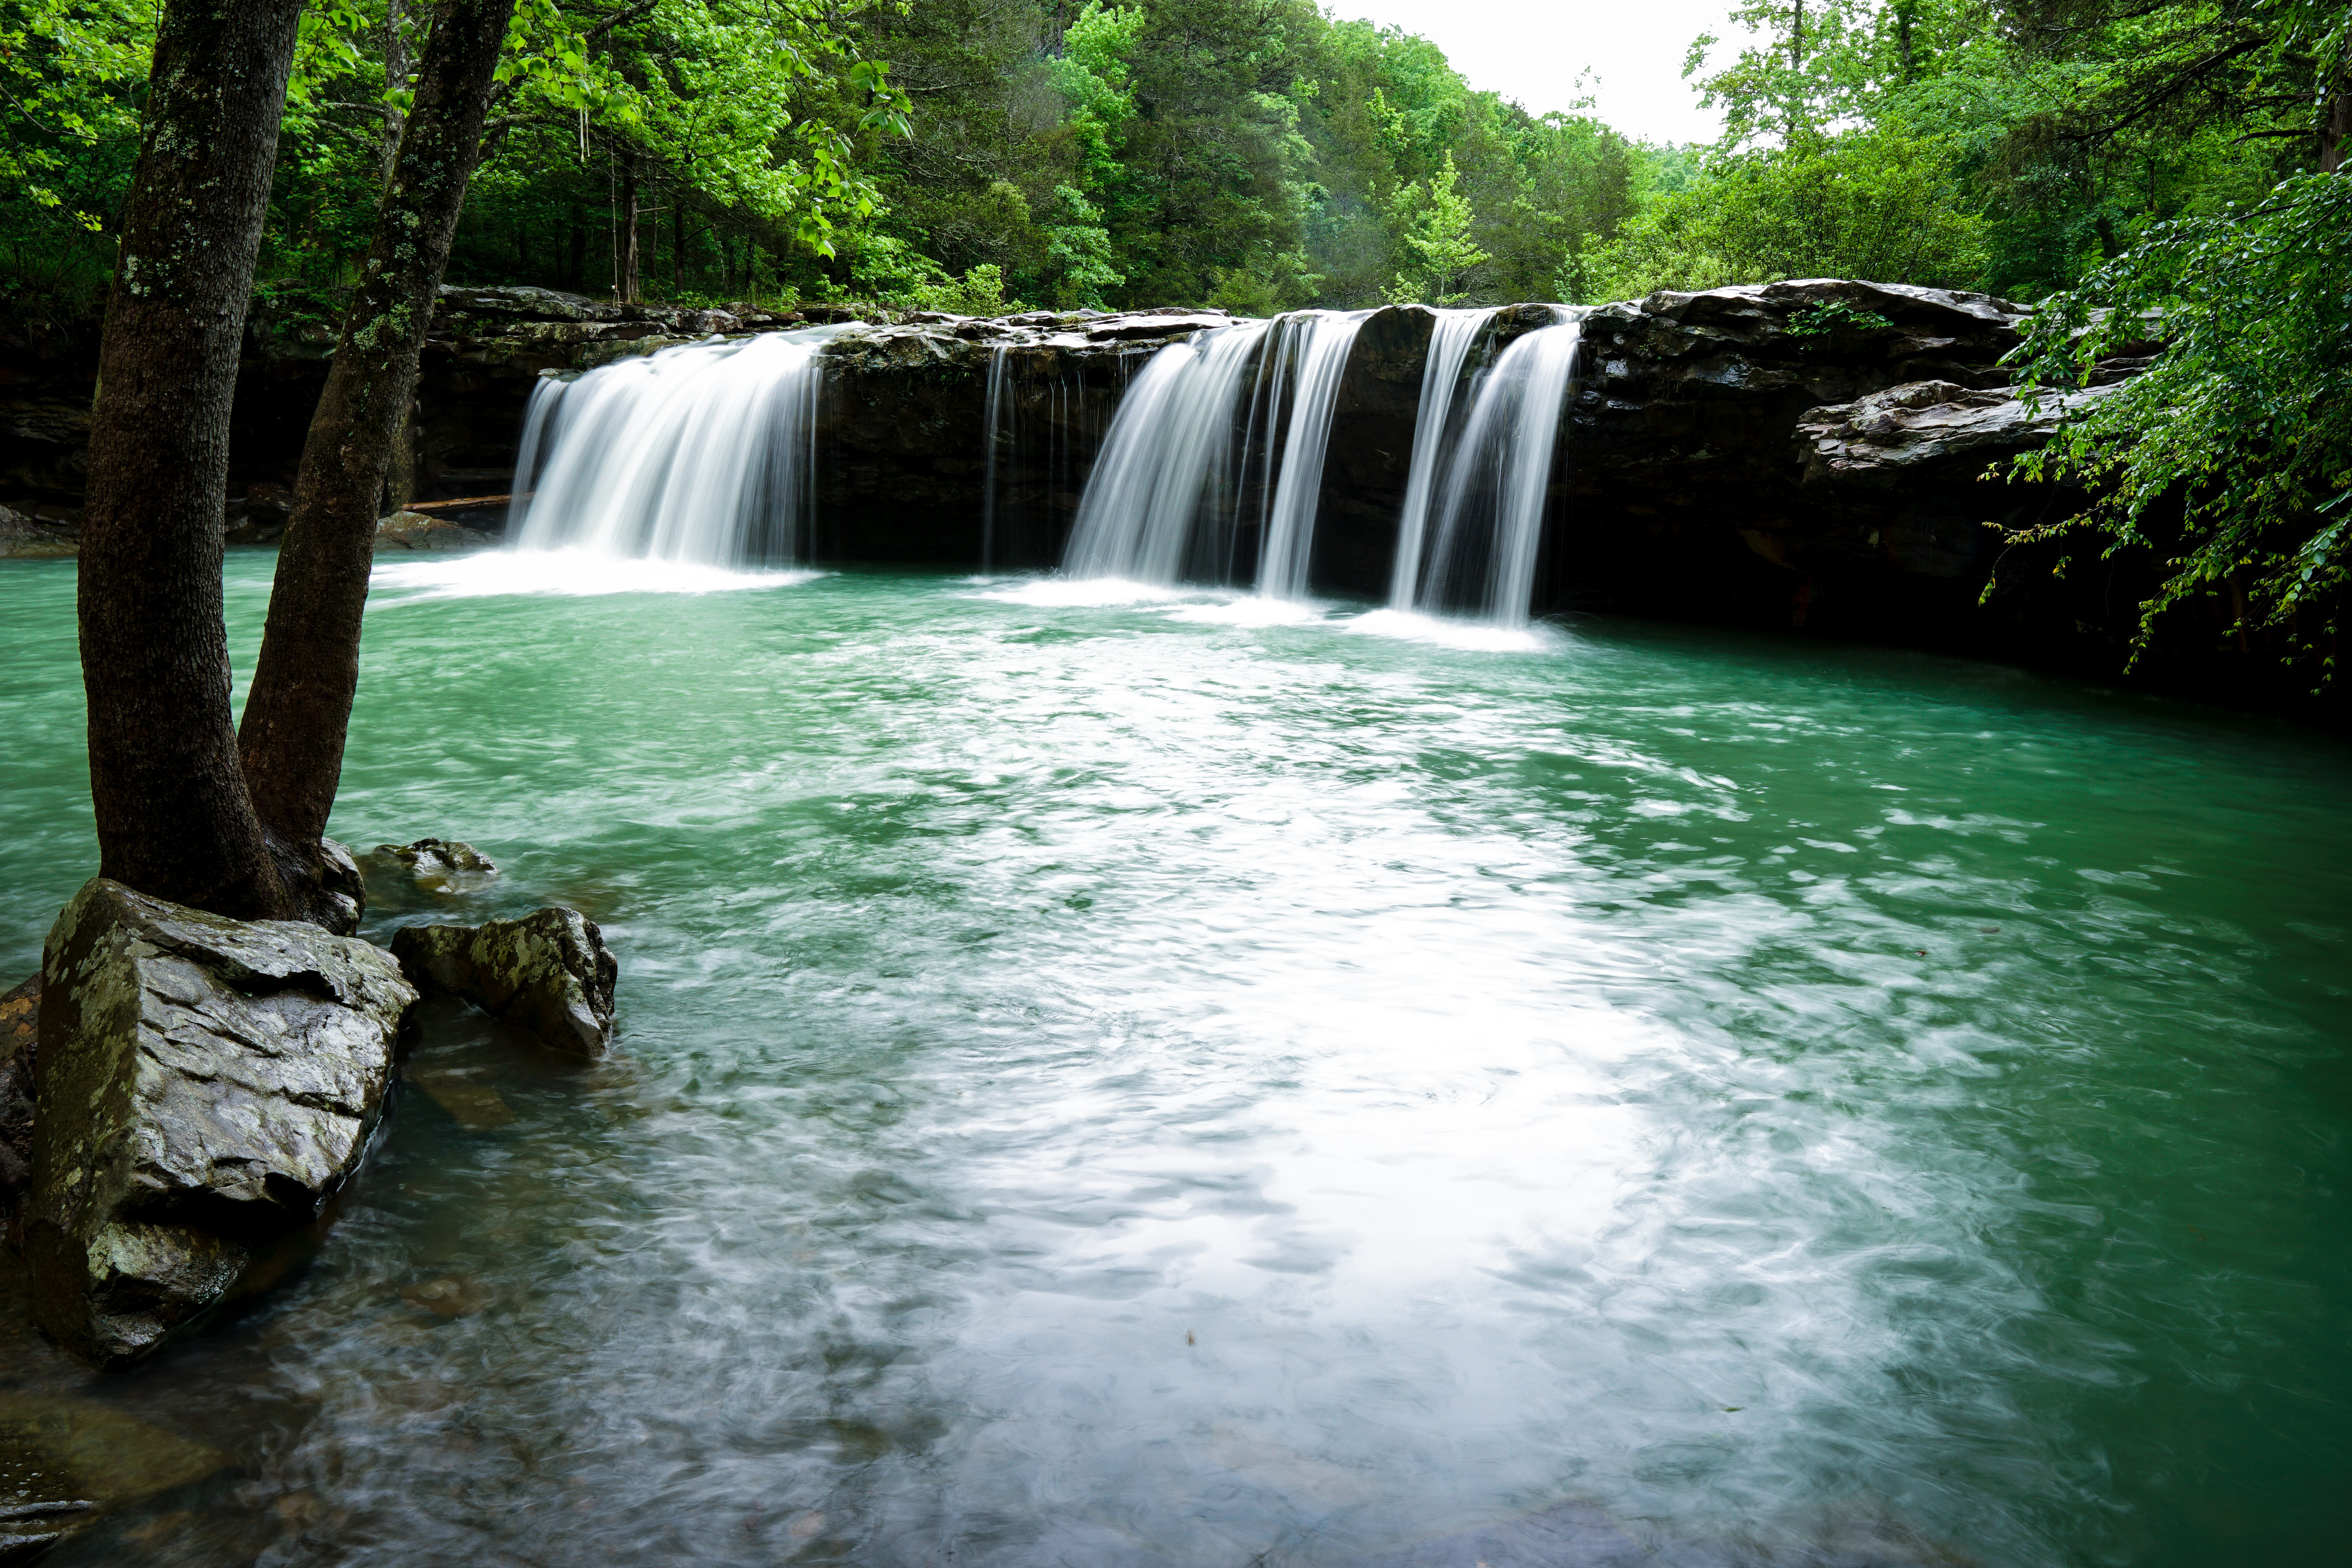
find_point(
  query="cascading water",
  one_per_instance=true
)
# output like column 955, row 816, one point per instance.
column 1171, row 461
column 1491, row 501
column 997, row 363
column 1434, row 433
column 1299, row 494
column 702, row 454
column 1172, row 439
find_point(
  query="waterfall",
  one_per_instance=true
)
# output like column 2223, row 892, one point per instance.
column 1172, row 437
column 997, row 362
column 1491, row 505
column 1290, row 518
column 1450, row 341
column 701, row 455
column 1170, row 462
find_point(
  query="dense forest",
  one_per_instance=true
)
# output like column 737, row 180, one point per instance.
column 1257, row 155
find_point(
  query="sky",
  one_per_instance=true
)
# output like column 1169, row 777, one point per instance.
column 1533, row 51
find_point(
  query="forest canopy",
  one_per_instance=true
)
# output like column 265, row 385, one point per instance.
column 1256, row 154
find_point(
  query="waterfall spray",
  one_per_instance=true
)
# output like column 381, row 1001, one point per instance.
column 701, row 455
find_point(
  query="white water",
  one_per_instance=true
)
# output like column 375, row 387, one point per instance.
column 1450, row 343
column 1169, row 466
column 997, row 364
column 1492, row 502
column 1172, row 437
column 1299, row 494
column 698, row 455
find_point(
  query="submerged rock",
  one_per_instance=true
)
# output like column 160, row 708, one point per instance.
column 547, row 973
column 208, row 1085
column 63, row 1461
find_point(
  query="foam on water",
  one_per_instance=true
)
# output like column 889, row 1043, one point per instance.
column 575, row 570
column 1477, row 637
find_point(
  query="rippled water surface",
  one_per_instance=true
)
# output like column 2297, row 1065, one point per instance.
column 1108, row 1080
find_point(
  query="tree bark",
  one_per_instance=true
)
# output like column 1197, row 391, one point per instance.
column 395, row 77
column 175, row 818
column 299, row 713
column 628, row 280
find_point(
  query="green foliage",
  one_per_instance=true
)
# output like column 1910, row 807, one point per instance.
column 70, row 72
column 1435, row 222
column 2243, row 421
column 1830, row 317
column 1872, row 203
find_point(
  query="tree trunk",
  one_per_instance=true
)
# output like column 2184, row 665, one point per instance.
column 299, row 710
column 2335, row 129
column 397, row 65
column 174, row 819
column 628, row 280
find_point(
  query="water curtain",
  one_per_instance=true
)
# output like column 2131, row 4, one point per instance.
column 1491, row 497
column 703, row 454
column 998, row 362
column 1435, row 432
column 1170, row 496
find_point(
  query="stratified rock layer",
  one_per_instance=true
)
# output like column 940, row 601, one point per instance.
column 206, row 1086
column 547, row 973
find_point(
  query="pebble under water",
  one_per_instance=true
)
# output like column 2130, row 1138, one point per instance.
column 1117, row 1079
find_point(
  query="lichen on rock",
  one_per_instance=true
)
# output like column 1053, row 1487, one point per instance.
column 547, row 973
column 207, row 1085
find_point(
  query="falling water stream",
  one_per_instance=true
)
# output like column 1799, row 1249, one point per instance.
column 1434, row 435
column 1163, row 503
column 1497, row 482
column 1099, row 1085
column 701, row 455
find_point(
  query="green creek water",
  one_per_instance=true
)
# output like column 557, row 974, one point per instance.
column 1153, row 1082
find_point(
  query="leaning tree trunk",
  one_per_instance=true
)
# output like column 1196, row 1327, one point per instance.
column 299, row 710
column 174, row 819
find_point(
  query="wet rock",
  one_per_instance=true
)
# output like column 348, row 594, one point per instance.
column 19, row 1014
column 547, row 973
column 1890, row 439
column 437, row 857
column 206, row 1086
column 522, row 299
column 26, row 537
column 417, row 530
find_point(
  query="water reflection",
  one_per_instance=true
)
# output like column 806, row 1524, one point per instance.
column 1106, row 1087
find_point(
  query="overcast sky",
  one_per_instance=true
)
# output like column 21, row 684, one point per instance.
column 1533, row 51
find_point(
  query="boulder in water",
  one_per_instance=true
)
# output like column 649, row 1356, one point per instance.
column 547, row 973
column 415, row 530
column 206, row 1086
column 438, row 856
